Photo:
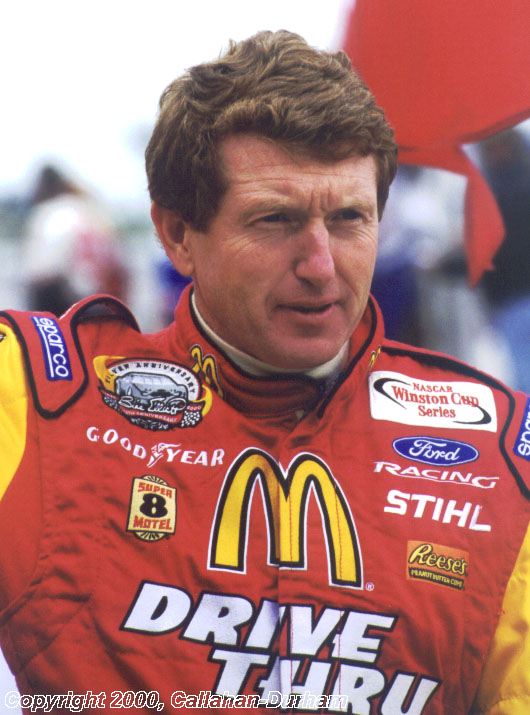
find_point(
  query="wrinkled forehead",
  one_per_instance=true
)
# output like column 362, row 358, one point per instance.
column 253, row 163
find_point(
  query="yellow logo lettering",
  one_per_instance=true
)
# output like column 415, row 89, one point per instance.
column 285, row 501
column 207, row 367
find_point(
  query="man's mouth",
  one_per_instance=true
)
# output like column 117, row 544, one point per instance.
column 311, row 308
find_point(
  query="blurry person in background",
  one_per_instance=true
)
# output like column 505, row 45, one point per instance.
column 171, row 285
column 505, row 162
column 71, row 248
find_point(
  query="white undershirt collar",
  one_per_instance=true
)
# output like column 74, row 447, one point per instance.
column 258, row 368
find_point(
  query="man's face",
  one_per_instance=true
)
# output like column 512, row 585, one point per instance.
column 284, row 270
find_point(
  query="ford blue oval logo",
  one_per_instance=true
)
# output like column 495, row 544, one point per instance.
column 431, row 450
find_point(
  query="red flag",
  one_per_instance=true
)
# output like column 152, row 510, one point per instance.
column 447, row 72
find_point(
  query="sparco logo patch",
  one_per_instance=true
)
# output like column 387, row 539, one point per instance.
column 439, row 452
column 153, row 394
column 153, row 508
column 522, row 443
column 458, row 405
column 437, row 564
column 54, row 348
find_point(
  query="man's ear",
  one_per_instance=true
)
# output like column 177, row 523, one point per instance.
column 175, row 236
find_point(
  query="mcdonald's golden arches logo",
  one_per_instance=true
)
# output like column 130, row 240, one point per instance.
column 285, row 499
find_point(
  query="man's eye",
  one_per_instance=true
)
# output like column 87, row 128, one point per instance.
column 348, row 215
column 275, row 218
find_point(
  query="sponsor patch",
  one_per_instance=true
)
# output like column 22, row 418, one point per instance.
column 54, row 350
column 285, row 497
column 522, row 443
column 335, row 658
column 458, row 405
column 153, row 394
column 438, row 452
column 464, row 515
column 207, row 367
column 437, row 564
column 153, row 508
column 447, row 476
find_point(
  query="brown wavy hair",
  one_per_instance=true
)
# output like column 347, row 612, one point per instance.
column 274, row 85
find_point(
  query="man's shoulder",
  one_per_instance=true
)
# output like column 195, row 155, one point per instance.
column 432, row 363
column 431, row 390
column 52, row 350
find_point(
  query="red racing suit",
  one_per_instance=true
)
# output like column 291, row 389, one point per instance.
column 179, row 535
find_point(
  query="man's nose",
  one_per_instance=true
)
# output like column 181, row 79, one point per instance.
column 314, row 260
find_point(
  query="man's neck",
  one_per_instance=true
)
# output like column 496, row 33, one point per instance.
column 327, row 372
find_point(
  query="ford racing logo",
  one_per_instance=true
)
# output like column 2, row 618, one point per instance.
column 429, row 450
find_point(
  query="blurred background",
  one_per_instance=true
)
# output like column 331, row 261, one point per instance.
column 80, row 88
column 81, row 84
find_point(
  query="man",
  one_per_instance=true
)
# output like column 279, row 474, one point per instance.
column 266, row 504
